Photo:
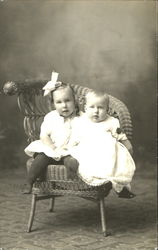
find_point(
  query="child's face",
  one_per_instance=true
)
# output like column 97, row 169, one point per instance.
column 64, row 102
column 96, row 108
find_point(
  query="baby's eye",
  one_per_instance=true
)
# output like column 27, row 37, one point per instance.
column 58, row 102
column 67, row 100
column 92, row 106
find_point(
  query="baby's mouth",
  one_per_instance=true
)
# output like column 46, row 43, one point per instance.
column 95, row 116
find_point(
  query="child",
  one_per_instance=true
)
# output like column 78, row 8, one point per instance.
column 101, row 149
column 52, row 148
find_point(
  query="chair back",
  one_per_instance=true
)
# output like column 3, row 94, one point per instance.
column 35, row 106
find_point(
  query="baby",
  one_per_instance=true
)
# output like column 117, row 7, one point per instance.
column 101, row 149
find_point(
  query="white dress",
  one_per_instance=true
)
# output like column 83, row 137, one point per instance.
column 59, row 130
column 101, row 156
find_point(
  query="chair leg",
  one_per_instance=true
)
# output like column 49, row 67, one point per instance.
column 51, row 204
column 32, row 213
column 102, row 213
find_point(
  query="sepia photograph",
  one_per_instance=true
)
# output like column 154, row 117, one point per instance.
column 78, row 125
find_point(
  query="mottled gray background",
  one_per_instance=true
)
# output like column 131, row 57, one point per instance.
column 107, row 45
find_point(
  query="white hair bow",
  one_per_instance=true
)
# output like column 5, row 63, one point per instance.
column 53, row 84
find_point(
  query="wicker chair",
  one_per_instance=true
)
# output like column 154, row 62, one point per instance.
column 34, row 106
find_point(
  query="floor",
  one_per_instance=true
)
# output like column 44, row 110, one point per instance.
column 75, row 224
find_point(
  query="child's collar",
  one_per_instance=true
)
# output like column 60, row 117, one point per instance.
column 69, row 117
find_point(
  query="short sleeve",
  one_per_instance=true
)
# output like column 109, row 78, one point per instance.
column 46, row 125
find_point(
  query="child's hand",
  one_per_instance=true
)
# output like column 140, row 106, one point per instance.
column 128, row 145
column 61, row 152
column 56, row 155
column 56, row 158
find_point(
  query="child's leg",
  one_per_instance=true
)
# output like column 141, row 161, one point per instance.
column 38, row 166
column 72, row 165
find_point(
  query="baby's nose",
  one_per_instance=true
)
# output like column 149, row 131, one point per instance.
column 96, row 110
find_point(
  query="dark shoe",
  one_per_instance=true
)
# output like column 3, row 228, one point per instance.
column 125, row 193
column 27, row 189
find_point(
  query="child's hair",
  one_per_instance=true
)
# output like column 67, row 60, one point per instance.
column 67, row 86
column 93, row 94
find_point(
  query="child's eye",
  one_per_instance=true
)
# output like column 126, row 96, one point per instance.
column 58, row 102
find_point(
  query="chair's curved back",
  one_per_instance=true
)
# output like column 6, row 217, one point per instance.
column 35, row 106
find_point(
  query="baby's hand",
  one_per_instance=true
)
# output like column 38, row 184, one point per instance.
column 75, row 143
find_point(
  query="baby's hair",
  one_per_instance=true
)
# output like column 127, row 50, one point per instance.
column 93, row 94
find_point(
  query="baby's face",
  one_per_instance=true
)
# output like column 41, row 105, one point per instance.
column 96, row 109
column 64, row 102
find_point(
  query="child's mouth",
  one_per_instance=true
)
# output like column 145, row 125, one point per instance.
column 65, row 111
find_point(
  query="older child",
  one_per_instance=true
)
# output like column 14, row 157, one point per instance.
column 52, row 148
column 101, row 150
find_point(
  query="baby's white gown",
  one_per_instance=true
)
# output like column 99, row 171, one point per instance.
column 101, row 156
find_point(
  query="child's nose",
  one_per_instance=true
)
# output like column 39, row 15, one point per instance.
column 64, row 104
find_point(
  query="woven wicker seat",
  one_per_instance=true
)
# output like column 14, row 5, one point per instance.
column 55, row 183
